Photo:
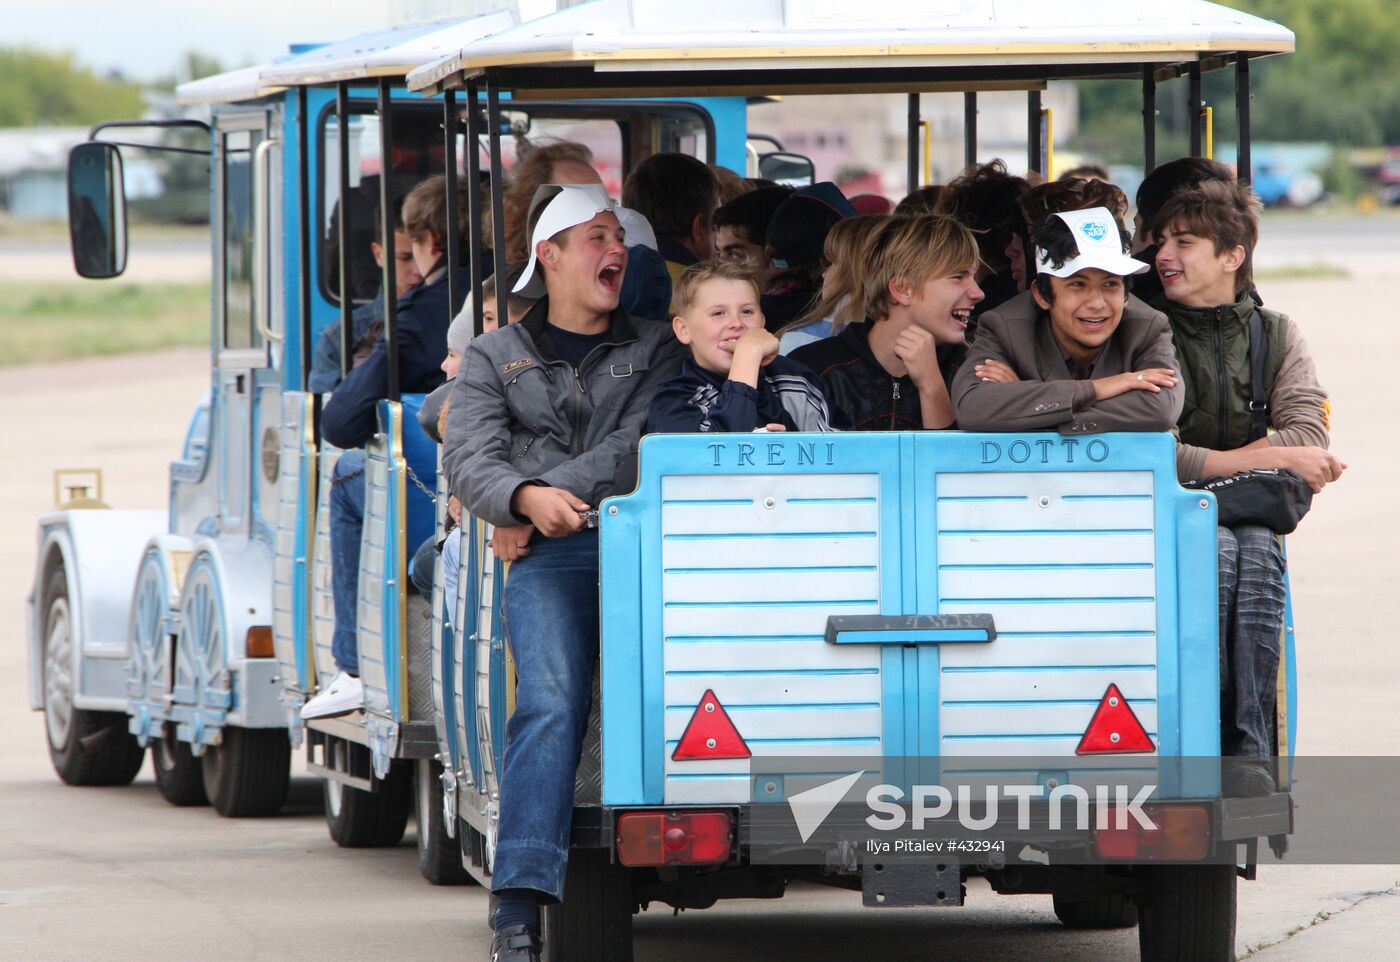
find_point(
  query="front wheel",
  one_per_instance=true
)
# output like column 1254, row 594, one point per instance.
column 594, row 922
column 248, row 775
column 86, row 747
column 1188, row 913
column 439, row 856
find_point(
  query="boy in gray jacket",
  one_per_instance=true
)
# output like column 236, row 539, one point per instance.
column 543, row 425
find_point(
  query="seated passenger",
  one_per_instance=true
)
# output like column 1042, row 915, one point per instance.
column 544, row 424
column 1074, row 353
column 892, row 373
column 325, row 362
column 734, row 379
column 741, row 229
column 432, row 417
column 985, row 198
column 348, row 420
column 646, row 288
column 1205, row 246
column 677, row 194
column 1056, row 197
column 1184, row 173
column 846, row 252
column 796, row 236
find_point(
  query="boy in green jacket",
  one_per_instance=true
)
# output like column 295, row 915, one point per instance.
column 1206, row 238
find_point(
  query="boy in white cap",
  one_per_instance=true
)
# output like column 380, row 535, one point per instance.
column 1075, row 353
column 544, row 424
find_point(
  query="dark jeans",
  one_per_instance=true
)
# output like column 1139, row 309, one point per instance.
column 1251, row 623
column 551, row 611
column 347, row 525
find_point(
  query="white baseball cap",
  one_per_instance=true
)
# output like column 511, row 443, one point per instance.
column 1095, row 233
column 565, row 206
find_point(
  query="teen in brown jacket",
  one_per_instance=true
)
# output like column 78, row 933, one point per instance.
column 1074, row 353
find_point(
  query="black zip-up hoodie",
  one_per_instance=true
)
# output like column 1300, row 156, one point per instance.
column 868, row 395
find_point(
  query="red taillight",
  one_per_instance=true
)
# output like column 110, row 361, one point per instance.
column 1182, row 834
column 1114, row 729
column 673, row 838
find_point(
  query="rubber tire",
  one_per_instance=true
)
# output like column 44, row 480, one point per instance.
column 179, row 775
column 1103, row 912
column 248, row 775
column 98, row 749
column 594, row 922
column 372, row 819
column 439, row 857
column 1188, row 914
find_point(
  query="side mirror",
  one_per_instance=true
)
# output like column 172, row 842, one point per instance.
column 787, row 170
column 97, row 210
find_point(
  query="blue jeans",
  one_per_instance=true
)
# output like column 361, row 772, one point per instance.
column 1251, row 622
column 347, row 525
column 551, row 612
column 420, row 571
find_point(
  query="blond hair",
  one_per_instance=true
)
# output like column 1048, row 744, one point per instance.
column 688, row 284
column 913, row 249
column 847, row 250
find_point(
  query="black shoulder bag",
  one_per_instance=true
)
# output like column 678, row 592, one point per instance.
column 1274, row 498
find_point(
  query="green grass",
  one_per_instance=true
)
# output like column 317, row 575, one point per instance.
column 53, row 322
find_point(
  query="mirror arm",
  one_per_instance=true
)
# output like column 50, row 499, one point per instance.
column 262, row 241
column 183, row 122
column 158, row 147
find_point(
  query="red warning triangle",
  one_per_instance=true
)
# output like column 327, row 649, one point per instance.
column 710, row 734
column 1114, row 729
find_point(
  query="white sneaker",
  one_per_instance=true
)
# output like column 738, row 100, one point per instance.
column 343, row 695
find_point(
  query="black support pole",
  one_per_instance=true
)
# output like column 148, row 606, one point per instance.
column 498, row 216
column 1035, row 145
column 304, row 232
column 912, row 154
column 969, row 128
column 386, row 227
column 1193, row 107
column 1149, row 120
column 475, row 243
column 453, row 242
column 1244, row 169
column 347, row 334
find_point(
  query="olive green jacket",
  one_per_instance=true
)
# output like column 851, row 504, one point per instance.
column 1212, row 345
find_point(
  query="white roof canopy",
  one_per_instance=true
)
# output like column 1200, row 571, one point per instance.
column 660, row 35
column 226, row 87
column 383, row 53
column 387, row 53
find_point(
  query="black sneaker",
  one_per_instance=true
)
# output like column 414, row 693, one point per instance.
column 1246, row 780
column 516, row 943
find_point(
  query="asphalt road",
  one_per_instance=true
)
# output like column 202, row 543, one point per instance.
column 116, row 874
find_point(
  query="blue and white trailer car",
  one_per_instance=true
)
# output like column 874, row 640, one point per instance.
column 899, row 596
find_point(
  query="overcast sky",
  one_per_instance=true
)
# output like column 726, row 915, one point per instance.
column 146, row 38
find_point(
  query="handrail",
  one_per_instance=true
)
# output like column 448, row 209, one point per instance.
column 262, row 240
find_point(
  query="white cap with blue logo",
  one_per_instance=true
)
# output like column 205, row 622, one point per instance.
column 1095, row 233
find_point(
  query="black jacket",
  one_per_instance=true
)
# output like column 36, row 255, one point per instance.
column 422, row 317
column 863, row 391
column 700, row 400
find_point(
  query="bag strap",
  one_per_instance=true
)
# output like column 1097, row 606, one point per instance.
column 1258, row 395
